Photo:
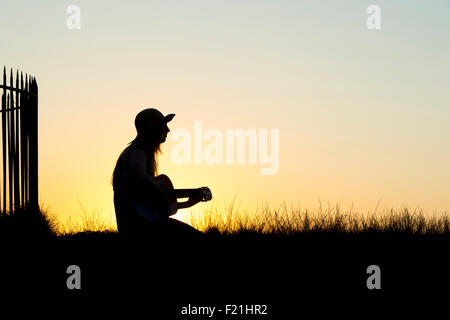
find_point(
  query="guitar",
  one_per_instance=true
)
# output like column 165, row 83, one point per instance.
column 151, row 208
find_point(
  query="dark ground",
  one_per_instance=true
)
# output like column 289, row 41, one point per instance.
column 293, row 275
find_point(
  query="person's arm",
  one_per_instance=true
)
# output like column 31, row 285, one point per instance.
column 138, row 161
column 204, row 195
column 187, row 204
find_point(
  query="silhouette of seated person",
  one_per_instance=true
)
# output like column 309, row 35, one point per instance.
column 144, row 201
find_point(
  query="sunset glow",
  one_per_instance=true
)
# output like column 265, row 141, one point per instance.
column 362, row 116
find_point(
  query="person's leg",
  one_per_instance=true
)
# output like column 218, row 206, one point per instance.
column 180, row 227
column 170, row 227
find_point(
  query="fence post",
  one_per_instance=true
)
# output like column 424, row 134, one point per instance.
column 34, row 200
column 19, row 121
column 4, row 138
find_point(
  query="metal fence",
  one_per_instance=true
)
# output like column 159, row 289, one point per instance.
column 19, row 113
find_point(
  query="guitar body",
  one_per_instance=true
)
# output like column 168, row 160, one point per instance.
column 151, row 208
column 166, row 185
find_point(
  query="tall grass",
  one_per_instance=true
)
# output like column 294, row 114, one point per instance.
column 25, row 223
column 288, row 221
column 229, row 221
column 94, row 222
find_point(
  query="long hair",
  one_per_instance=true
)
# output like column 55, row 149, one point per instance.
column 153, row 150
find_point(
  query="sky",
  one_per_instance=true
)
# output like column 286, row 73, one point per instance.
column 362, row 115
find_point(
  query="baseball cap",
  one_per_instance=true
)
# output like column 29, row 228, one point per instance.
column 151, row 118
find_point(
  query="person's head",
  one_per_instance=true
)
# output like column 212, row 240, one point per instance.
column 151, row 126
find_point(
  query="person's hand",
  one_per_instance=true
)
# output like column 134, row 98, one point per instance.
column 206, row 193
column 203, row 194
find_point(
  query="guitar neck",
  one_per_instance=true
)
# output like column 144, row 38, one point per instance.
column 183, row 193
